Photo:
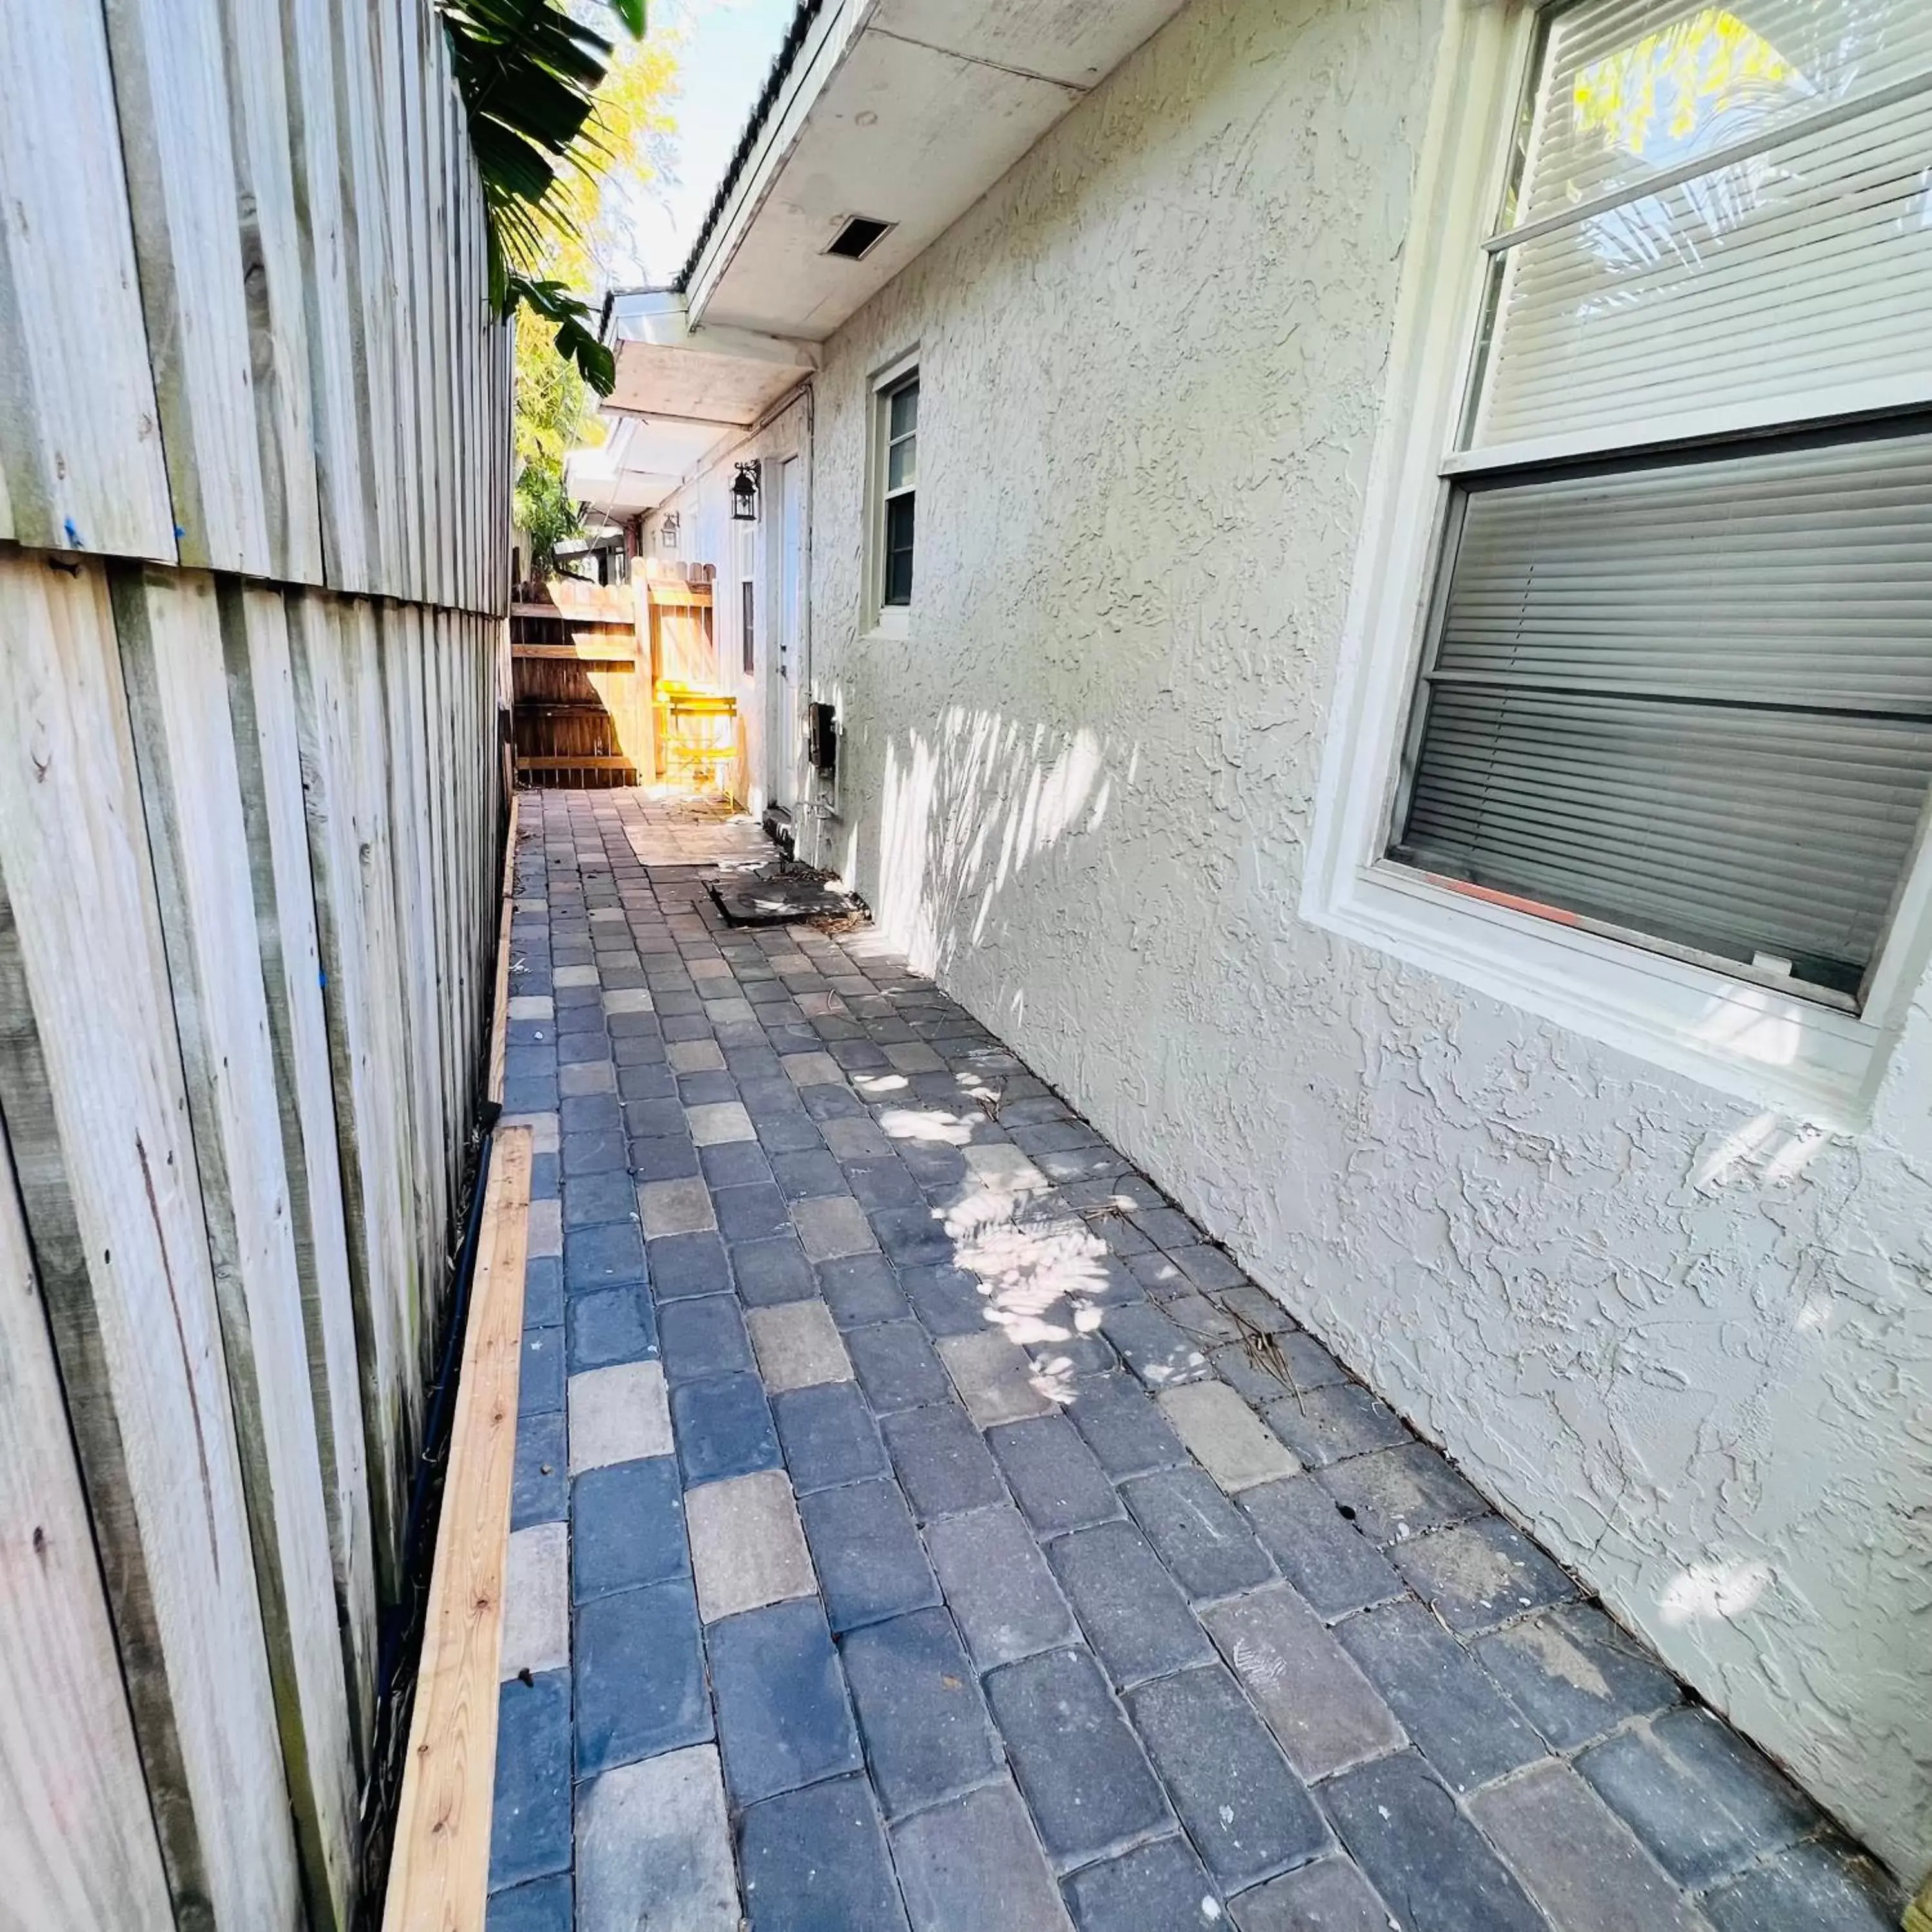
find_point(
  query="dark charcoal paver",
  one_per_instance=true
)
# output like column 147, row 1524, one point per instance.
column 783, row 1718
column 1398, row 1493
column 1205, row 1541
column 640, row 1668
column 544, row 1905
column 998, row 1586
column 770, row 1272
column 1809, row 1888
column 540, row 1386
column 829, row 1437
column 627, row 1528
column 529, row 1827
column 1084, row 1775
column 612, row 1325
column 862, row 1289
column 1323, row 1555
column 926, row 1728
column 1330, row 1895
column 1159, row 1888
column 815, row 1860
column 896, row 1366
column 602, row 1257
column 687, row 1265
column 1697, row 1795
column 702, row 1337
column 1421, row 1854
column 723, row 1428
column 1248, row 1813
column 941, row 1459
column 974, row 1865
column 1574, row 1674
column 870, row 1561
column 1055, row 1478
column 1123, row 1426
column 1481, row 1574
column 1134, row 1615
column 540, row 1488
column 1153, row 1347
column 1467, row 1729
column 1328, row 1425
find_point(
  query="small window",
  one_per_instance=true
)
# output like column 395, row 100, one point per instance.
column 746, row 629
column 1677, row 688
column 898, row 412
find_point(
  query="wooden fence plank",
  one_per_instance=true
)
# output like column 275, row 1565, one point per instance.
column 331, row 296
column 172, row 658
column 440, row 1872
column 171, row 92
column 90, row 1085
column 78, row 1851
column 80, row 446
column 323, row 659
column 272, row 281
column 262, row 700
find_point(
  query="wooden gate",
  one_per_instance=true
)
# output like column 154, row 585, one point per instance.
column 582, row 688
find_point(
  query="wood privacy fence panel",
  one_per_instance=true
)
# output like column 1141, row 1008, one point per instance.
column 244, row 296
column 254, row 521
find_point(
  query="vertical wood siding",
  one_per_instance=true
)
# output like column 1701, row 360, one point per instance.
column 254, row 505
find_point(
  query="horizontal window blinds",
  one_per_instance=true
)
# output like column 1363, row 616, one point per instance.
column 1694, row 699
column 1633, row 90
column 1634, row 282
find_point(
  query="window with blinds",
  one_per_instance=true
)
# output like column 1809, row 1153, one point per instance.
column 1681, row 689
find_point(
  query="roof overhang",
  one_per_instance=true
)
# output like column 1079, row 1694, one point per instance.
column 668, row 370
column 638, row 464
column 906, row 111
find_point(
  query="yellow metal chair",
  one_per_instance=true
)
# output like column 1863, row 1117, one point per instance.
column 698, row 733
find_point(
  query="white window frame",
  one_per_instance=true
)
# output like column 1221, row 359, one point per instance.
column 1743, row 1037
column 877, row 617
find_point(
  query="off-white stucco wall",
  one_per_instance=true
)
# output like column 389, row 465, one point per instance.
column 1686, row 1343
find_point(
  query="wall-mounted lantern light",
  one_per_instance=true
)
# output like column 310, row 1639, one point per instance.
column 744, row 494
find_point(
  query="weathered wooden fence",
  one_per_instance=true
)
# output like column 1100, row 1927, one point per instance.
column 254, row 565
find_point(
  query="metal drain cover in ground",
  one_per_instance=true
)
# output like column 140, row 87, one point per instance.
column 751, row 899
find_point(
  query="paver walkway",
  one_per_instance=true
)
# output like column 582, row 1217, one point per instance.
column 918, row 1524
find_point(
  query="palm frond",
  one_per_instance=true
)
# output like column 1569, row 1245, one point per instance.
column 528, row 73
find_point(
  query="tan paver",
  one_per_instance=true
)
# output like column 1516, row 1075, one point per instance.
column 618, row 1414
column 723, row 1120
column 994, row 1379
column 681, row 1206
column 1228, row 1439
column 798, row 1346
column 747, row 1545
column 832, row 1226
column 536, row 1601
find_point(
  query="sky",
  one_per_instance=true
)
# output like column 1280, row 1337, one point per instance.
column 727, row 50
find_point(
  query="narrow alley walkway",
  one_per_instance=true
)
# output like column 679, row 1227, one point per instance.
column 918, row 1524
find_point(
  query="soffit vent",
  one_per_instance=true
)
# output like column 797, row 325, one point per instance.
column 856, row 238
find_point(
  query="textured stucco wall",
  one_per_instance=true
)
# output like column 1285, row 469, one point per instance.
column 1686, row 1343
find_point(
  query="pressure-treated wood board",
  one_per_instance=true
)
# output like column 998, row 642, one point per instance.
column 171, row 94
column 262, row 701
column 272, row 272
column 80, row 443
column 324, row 247
column 79, row 1851
column 325, row 655
column 90, row 1085
column 171, row 651
column 440, row 1871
